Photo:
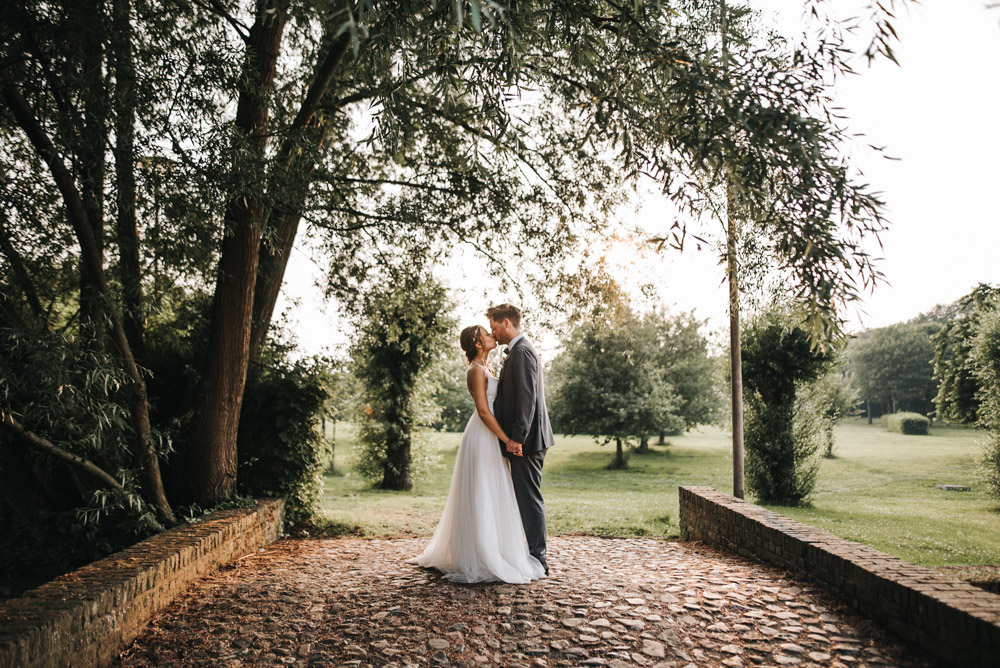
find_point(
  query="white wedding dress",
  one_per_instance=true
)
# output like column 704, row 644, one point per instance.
column 480, row 537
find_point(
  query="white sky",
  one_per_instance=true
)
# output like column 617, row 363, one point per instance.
column 938, row 112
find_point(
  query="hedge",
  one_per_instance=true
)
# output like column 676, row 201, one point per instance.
column 907, row 423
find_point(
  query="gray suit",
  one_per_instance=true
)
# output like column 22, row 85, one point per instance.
column 520, row 411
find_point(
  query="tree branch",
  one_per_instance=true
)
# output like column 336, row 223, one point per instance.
column 11, row 424
column 20, row 271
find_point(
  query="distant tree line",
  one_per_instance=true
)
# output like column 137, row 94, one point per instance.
column 926, row 365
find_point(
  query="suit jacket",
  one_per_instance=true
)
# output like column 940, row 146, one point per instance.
column 520, row 404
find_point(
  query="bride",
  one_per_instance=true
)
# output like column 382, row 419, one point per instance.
column 480, row 537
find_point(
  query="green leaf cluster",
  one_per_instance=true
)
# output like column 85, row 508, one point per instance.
column 281, row 451
column 606, row 382
column 892, row 367
column 986, row 355
column 958, row 394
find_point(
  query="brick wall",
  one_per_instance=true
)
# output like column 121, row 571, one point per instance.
column 85, row 618
column 955, row 622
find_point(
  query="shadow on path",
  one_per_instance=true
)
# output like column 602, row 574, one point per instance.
column 609, row 602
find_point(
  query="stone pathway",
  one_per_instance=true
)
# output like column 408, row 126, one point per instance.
column 615, row 603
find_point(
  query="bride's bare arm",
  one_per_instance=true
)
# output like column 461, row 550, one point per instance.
column 475, row 377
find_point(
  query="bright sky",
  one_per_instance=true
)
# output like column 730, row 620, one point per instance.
column 938, row 113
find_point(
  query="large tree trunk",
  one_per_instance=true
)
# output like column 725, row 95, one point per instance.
column 212, row 474
column 92, row 141
column 127, row 226
column 297, row 167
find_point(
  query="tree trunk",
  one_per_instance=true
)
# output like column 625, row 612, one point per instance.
column 396, row 470
column 212, row 471
column 868, row 409
column 92, row 140
column 663, row 439
column 298, row 166
column 619, row 454
column 644, row 444
column 735, row 362
column 828, row 425
column 133, row 314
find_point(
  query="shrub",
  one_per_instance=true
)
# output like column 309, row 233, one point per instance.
column 913, row 424
column 780, row 434
column 281, row 453
column 986, row 355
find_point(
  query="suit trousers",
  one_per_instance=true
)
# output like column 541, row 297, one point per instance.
column 526, row 473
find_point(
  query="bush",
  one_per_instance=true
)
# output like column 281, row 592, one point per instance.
column 281, row 453
column 913, row 424
column 986, row 355
column 780, row 434
column 782, row 443
column 405, row 327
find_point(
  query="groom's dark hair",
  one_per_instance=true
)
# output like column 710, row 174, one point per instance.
column 508, row 311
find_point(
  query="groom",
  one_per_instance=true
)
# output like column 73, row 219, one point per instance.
column 520, row 410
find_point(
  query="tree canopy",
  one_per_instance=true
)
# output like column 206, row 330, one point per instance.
column 892, row 367
column 606, row 383
column 160, row 160
column 958, row 392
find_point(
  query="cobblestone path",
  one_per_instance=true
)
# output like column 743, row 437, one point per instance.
column 634, row 602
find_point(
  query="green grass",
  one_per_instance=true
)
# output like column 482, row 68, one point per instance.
column 879, row 490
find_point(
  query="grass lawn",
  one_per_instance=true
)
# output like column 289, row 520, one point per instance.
column 879, row 490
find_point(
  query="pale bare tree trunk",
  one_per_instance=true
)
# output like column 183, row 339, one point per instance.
column 735, row 362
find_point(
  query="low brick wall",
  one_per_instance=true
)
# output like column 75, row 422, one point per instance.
column 85, row 618
column 953, row 621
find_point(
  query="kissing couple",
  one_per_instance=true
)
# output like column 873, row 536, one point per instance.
column 493, row 524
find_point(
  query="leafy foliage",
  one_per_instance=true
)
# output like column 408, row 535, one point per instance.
column 404, row 328
column 452, row 401
column 681, row 354
column 780, row 436
column 958, row 396
column 606, row 383
column 891, row 367
column 986, row 354
column 54, row 516
column 832, row 398
column 282, row 453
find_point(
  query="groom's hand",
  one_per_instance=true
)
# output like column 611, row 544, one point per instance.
column 514, row 448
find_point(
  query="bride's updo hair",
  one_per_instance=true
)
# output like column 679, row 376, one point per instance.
column 468, row 339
